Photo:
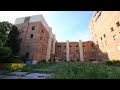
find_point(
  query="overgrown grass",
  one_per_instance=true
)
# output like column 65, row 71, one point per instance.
column 77, row 70
column 40, row 65
column 89, row 70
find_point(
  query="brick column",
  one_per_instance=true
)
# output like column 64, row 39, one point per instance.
column 67, row 48
column 81, row 51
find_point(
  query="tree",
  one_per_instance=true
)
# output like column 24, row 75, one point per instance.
column 8, row 36
column 5, row 53
column 12, row 41
column 8, row 41
column 5, row 27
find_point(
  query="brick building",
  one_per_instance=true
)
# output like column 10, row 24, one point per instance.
column 37, row 42
column 76, row 51
column 105, row 33
column 36, row 39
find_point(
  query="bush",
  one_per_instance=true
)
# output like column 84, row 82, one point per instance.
column 13, row 66
column 113, row 63
column 5, row 53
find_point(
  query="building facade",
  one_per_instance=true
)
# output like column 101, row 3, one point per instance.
column 38, row 42
column 75, row 51
column 105, row 33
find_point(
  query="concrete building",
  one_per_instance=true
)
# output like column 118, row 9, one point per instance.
column 38, row 42
column 105, row 33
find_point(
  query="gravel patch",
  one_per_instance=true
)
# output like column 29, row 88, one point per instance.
column 19, row 73
column 22, row 75
column 38, row 76
column 12, row 77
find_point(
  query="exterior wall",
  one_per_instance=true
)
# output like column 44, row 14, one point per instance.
column 85, row 52
column 60, row 50
column 88, row 50
column 74, row 50
column 107, row 47
column 36, row 48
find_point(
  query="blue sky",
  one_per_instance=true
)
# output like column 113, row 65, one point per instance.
column 71, row 25
column 67, row 25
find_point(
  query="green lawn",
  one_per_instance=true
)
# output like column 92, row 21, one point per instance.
column 77, row 70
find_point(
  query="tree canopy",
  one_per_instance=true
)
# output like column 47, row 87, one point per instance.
column 8, row 40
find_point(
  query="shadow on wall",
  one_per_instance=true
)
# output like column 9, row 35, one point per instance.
column 95, row 54
column 103, row 56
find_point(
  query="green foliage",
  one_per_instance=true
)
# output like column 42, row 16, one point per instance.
column 8, row 41
column 15, row 60
column 5, row 27
column 12, row 41
column 76, row 70
column 113, row 63
column 5, row 53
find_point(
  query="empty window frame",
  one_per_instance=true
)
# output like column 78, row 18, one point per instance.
column 98, row 15
column 41, row 39
column 33, row 27
column 31, row 35
column 112, row 29
column 92, row 45
column 118, row 24
column 114, row 37
column 104, row 35
column 42, row 31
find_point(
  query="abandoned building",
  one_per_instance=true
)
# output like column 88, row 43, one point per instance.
column 105, row 33
column 38, row 42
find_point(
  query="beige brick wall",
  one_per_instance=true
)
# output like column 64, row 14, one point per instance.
column 103, row 25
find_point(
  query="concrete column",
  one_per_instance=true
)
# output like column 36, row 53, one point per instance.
column 49, row 44
column 54, row 41
column 81, row 51
column 67, row 48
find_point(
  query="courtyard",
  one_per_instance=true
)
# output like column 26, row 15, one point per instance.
column 65, row 70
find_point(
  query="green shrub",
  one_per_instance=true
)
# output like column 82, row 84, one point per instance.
column 113, row 63
column 5, row 53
